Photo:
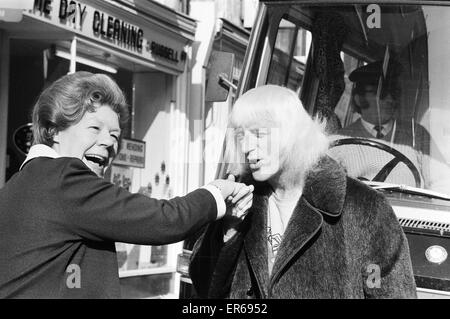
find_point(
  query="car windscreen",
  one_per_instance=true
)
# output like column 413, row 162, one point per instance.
column 380, row 76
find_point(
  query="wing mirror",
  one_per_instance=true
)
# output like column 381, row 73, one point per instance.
column 219, row 76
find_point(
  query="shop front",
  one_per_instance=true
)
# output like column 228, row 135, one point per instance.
column 146, row 48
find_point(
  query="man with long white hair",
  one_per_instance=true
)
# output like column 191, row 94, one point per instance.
column 312, row 232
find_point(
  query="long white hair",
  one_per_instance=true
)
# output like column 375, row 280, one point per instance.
column 303, row 139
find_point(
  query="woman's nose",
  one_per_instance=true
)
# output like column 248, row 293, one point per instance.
column 106, row 139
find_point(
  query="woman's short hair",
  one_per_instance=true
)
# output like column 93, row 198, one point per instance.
column 66, row 100
column 303, row 139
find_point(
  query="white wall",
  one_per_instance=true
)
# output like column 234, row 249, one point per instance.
column 173, row 4
column 204, row 12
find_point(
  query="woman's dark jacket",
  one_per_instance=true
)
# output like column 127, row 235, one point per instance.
column 342, row 241
column 59, row 223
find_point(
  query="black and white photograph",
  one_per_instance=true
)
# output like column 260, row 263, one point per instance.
column 216, row 157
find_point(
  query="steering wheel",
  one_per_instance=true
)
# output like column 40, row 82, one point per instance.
column 387, row 169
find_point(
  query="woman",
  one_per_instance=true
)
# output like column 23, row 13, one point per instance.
column 312, row 232
column 59, row 221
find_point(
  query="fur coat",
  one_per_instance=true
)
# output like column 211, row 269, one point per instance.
column 343, row 240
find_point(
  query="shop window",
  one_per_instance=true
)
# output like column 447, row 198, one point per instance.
column 146, row 271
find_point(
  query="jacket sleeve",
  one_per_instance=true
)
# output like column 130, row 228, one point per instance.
column 387, row 270
column 97, row 210
column 213, row 262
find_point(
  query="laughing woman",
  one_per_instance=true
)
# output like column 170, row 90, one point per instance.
column 57, row 215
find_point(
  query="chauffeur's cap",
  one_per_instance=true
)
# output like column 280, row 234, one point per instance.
column 370, row 73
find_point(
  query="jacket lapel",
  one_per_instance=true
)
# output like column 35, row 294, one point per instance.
column 323, row 194
column 305, row 222
column 255, row 242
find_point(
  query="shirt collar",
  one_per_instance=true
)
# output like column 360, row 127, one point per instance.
column 386, row 127
column 40, row 150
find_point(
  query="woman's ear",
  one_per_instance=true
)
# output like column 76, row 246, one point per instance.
column 54, row 134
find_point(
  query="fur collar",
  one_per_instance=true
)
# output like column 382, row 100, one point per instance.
column 324, row 189
column 326, row 186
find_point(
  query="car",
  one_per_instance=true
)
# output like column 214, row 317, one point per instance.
column 312, row 48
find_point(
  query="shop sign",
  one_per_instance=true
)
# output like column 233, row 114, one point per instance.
column 132, row 153
column 102, row 26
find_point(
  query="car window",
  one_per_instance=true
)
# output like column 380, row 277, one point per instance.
column 378, row 74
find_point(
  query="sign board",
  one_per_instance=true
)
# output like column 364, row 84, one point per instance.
column 92, row 22
column 132, row 153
